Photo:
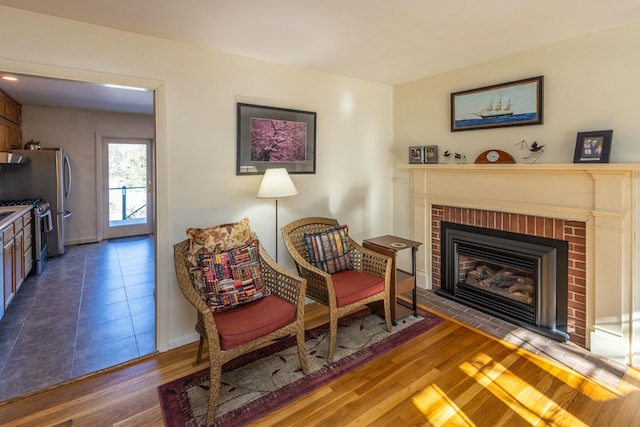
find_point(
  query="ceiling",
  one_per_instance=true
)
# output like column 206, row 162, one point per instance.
column 46, row 92
column 385, row 41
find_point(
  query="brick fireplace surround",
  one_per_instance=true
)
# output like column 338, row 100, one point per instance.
column 596, row 208
column 571, row 231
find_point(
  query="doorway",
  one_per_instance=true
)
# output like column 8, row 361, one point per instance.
column 127, row 187
column 136, row 286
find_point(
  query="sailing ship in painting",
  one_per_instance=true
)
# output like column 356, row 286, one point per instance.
column 497, row 110
column 509, row 104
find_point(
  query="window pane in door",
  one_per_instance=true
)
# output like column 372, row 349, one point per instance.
column 127, row 184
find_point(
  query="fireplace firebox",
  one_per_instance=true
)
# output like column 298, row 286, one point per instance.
column 519, row 278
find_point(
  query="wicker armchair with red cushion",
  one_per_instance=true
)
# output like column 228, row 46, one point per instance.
column 340, row 273
column 232, row 321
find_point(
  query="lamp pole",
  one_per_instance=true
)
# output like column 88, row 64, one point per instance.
column 276, row 183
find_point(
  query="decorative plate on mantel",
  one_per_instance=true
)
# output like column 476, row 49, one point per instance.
column 495, row 156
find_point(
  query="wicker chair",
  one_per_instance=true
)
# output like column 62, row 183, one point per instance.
column 211, row 326
column 328, row 289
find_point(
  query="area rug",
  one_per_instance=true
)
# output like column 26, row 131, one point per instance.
column 267, row 379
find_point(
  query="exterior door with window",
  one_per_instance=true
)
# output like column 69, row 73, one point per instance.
column 127, row 187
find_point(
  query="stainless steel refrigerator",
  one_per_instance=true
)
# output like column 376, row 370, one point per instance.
column 46, row 175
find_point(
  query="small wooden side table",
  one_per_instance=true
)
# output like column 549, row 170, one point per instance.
column 401, row 281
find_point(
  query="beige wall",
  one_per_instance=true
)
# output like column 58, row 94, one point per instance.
column 197, row 93
column 590, row 83
column 75, row 131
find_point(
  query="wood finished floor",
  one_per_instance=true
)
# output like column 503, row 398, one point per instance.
column 451, row 375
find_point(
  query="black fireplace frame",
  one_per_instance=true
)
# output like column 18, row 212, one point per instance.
column 550, row 312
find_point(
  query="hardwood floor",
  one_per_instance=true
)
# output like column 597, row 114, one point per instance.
column 451, row 375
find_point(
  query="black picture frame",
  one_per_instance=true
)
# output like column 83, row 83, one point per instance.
column 593, row 147
column 273, row 137
column 516, row 103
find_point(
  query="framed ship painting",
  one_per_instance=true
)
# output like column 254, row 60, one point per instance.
column 517, row 103
column 272, row 137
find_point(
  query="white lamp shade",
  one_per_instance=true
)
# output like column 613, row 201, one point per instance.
column 276, row 183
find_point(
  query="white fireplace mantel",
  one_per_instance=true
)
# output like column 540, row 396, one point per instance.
column 604, row 196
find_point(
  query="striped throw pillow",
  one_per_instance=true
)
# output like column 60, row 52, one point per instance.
column 329, row 250
column 231, row 278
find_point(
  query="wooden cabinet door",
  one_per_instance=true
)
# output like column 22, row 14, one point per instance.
column 18, row 261
column 7, row 262
column 27, row 245
column 15, row 136
column 5, row 136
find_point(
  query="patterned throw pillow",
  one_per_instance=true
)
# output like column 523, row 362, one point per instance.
column 217, row 238
column 232, row 277
column 329, row 250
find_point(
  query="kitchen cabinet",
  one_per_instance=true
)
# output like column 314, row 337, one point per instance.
column 27, row 246
column 17, row 253
column 18, row 260
column 10, row 123
column 8, row 261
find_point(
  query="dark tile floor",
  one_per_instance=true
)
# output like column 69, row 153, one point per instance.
column 91, row 308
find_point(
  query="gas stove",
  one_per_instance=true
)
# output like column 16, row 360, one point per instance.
column 39, row 205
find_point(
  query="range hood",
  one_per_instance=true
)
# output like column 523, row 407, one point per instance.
column 11, row 158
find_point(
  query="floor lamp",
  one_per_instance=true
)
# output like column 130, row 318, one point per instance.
column 276, row 183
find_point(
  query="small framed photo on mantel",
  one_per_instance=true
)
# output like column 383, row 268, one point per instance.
column 431, row 154
column 416, row 154
column 593, row 147
column 421, row 154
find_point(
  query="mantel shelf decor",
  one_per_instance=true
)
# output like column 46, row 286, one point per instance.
column 593, row 147
column 271, row 137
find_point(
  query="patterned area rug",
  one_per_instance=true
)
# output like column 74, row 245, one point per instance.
column 269, row 378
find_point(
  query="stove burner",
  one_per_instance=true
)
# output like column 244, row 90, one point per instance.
column 38, row 204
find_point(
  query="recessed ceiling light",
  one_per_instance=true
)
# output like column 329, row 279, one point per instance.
column 10, row 78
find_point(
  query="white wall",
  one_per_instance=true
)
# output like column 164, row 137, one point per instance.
column 75, row 131
column 590, row 83
column 197, row 91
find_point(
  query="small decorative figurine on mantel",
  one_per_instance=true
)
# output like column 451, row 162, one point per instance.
column 535, row 151
column 458, row 157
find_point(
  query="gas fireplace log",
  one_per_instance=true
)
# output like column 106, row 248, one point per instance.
column 502, row 279
column 519, row 287
column 481, row 272
column 471, row 281
column 525, row 280
column 519, row 296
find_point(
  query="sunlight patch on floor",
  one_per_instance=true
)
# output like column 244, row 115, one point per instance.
column 434, row 403
column 522, row 398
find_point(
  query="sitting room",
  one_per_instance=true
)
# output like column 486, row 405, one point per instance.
column 417, row 119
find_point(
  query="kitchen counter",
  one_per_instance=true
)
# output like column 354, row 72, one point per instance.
column 14, row 212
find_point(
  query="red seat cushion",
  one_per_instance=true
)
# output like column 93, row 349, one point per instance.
column 253, row 320
column 353, row 285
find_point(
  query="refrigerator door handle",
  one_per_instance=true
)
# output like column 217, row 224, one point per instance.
column 67, row 181
column 66, row 214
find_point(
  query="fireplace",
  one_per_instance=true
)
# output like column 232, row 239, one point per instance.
column 518, row 278
column 594, row 207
